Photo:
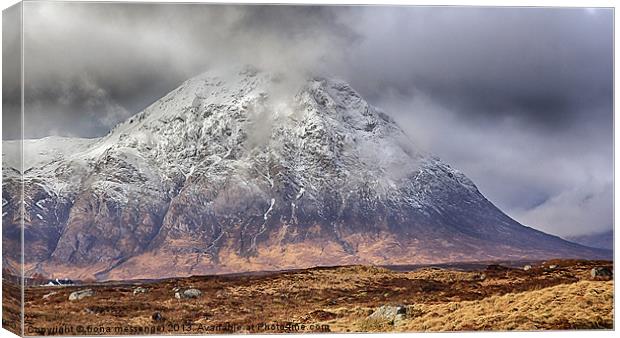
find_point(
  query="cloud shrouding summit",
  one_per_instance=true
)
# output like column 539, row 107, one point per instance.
column 520, row 99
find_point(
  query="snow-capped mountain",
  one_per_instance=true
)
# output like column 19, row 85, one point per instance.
column 247, row 170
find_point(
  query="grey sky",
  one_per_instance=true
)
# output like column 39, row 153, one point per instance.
column 520, row 99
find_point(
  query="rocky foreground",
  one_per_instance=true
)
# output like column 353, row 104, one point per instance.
column 552, row 295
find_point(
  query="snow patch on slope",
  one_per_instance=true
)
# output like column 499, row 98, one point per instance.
column 39, row 152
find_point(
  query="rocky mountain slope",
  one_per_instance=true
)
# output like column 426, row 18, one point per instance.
column 246, row 170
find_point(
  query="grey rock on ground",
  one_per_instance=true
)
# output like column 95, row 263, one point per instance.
column 527, row 267
column 77, row 295
column 389, row 313
column 157, row 317
column 138, row 290
column 46, row 296
column 600, row 272
column 187, row 293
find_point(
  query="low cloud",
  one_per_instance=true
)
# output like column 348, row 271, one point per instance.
column 136, row 53
column 560, row 183
column 578, row 210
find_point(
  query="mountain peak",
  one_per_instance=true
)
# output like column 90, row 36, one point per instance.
column 229, row 114
column 248, row 170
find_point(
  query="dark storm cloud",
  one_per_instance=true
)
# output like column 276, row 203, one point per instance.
column 128, row 55
column 520, row 99
column 542, row 65
column 11, row 74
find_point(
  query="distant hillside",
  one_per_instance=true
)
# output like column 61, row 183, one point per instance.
column 604, row 240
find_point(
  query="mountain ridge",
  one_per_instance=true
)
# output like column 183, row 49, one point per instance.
column 236, row 171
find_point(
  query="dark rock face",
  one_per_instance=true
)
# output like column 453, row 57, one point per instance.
column 11, row 218
column 44, row 218
column 116, row 213
column 222, row 175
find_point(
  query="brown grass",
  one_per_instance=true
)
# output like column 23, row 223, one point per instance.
column 374, row 325
column 343, row 297
column 581, row 305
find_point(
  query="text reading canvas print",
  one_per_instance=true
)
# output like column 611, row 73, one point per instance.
column 212, row 168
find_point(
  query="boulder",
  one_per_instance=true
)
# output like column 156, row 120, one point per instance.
column 187, row 293
column 601, row 272
column 389, row 313
column 46, row 296
column 138, row 290
column 157, row 317
column 192, row 293
column 77, row 295
column 527, row 268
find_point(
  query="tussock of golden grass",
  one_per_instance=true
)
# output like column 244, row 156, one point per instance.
column 340, row 278
column 445, row 276
column 374, row 325
column 582, row 305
